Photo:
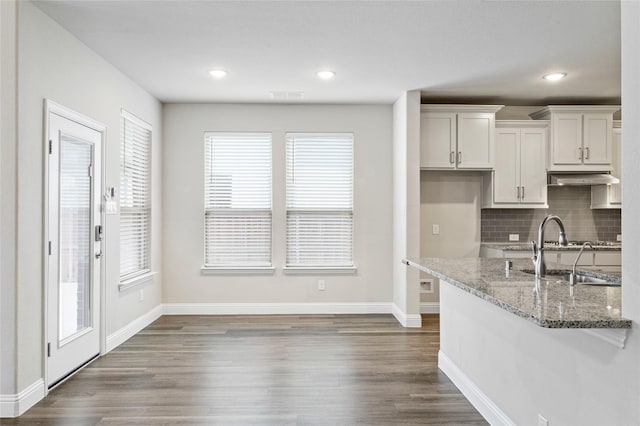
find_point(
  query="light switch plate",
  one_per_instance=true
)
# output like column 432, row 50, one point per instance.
column 514, row 237
column 435, row 229
column 110, row 207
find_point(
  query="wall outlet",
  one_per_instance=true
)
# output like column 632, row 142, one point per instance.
column 435, row 229
column 514, row 237
column 542, row 421
column 426, row 285
column 619, row 237
column 141, row 295
column 321, row 285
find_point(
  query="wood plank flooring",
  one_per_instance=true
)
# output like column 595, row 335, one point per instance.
column 263, row 370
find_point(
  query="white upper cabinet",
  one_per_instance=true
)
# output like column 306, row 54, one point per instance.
column 520, row 177
column 610, row 196
column 581, row 137
column 457, row 136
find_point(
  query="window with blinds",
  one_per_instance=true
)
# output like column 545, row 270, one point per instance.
column 319, row 170
column 135, row 197
column 237, row 185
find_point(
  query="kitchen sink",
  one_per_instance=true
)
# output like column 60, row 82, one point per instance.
column 579, row 278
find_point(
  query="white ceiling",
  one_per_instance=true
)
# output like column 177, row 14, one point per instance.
column 489, row 51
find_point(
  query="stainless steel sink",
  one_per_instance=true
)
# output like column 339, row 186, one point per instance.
column 579, row 278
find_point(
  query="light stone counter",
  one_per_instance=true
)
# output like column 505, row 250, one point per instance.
column 550, row 304
column 513, row 246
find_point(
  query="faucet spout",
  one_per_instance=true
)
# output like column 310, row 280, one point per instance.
column 538, row 257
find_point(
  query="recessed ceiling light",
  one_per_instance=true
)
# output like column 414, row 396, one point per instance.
column 555, row 76
column 217, row 73
column 326, row 75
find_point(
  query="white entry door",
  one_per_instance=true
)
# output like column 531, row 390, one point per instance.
column 74, row 231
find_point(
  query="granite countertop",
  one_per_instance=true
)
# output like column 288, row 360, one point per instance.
column 550, row 303
column 611, row 246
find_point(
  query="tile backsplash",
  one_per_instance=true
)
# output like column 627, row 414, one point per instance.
column 571, row 203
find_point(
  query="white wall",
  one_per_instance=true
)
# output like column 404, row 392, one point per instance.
column 630, row 12
column 567, row 376
column 452, row 200
column 55, row 65
column 183, row 208
column 406, row 205
column 8, row 147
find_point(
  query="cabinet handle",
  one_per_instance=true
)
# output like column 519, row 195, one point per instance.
column 522, row 192
column 518, row 188
column 451, row 157
column 579, row 153
column 586, row 152
column 459, row 157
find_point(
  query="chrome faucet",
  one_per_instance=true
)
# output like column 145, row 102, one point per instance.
column 572, row 277
column 538, row 250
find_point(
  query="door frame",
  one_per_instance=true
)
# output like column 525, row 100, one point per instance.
column 51, row 107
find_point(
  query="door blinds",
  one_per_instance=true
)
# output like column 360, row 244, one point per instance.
column 319, row 170
column 237, row 200
column 135, row 197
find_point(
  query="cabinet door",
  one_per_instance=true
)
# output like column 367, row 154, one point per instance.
column 437, row 140
column 475, row 140
column 533, row 172
column 506, row 177
column 566, row 139
column 597, row 138
column 615, row 191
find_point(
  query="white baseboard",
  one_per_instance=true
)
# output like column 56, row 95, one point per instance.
column 274, row 308
column 16, row 404
column 407, row 320
column 429, row 308
column 119, row 337
column 490, row 411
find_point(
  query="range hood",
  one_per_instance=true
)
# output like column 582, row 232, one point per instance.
column 582, row 179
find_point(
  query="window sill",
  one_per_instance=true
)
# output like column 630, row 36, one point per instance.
column 259, row 270
column 136, row 281
column 318, row 270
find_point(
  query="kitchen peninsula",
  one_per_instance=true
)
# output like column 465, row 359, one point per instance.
column 512, row 345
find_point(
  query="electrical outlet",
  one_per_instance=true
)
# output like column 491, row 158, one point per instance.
column 321, row 285
column 619, row 237
column 514, row 237
column 435, row 229
column 141, row 295
column 542, row 421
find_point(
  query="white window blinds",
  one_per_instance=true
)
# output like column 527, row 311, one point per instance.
column 319, row 200
column 237, row 200
column 135, row 197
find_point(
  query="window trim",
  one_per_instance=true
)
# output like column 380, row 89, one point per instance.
column 266, row 269
column 143, row 275
column 321, row 269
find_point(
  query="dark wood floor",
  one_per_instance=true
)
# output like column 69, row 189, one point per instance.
column 256, row 370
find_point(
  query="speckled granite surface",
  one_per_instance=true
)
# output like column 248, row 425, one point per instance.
column 527, row 247
column 551, row 303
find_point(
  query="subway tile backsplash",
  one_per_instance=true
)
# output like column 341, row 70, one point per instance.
column 571, row 203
